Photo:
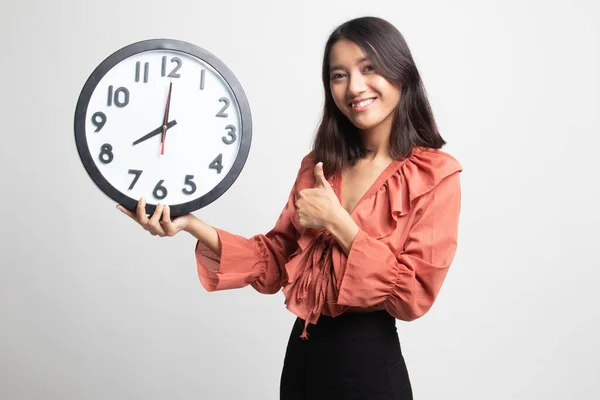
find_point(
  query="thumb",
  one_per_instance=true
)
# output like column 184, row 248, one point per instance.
column 320, row 176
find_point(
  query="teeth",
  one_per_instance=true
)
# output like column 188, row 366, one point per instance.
column 362, row 103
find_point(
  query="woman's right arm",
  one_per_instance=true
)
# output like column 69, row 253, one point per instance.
column 205, row 234
column 228, row 261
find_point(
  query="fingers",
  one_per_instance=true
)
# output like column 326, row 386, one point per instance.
column 160, row 223
column 166, row 215
column 165, row 222
column 125, row 211
column 141, row 212
column 153, row 225
column 319, row 176
column 299, row 201
column 307, row 196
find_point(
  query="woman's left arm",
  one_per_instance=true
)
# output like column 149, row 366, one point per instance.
column 406, row 283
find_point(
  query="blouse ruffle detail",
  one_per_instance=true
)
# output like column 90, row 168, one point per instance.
column 408, row 223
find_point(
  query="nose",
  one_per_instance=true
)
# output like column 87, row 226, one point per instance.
column 356, row 84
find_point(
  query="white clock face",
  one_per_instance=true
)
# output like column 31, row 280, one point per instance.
column 125, row 127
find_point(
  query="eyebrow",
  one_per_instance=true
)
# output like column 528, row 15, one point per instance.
column 337, row 66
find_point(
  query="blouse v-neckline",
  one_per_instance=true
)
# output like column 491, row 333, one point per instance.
column 375, row 186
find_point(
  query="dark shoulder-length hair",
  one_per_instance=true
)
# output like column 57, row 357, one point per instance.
column 338, row 142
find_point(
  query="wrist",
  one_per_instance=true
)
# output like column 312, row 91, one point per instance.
column 205, row 234
column 192, row 224
column 343, row 228
column 341, row 220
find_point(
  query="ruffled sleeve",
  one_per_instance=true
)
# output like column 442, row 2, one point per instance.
column 257, row 261
column 405, row 272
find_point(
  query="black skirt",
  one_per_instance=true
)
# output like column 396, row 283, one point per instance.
column 354, row 356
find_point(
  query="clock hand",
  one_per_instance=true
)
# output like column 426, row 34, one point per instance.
column 164, row 135
column 155, row 132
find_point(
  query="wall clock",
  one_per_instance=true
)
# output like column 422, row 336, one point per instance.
column 165, row 120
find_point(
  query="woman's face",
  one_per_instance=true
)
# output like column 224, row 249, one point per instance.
column 366, row 98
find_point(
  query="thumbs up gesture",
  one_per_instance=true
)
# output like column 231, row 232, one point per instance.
column 318, row 207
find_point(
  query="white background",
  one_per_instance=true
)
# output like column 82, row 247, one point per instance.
column 93, row 307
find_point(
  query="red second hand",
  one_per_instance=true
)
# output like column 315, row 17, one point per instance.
column 164, row 134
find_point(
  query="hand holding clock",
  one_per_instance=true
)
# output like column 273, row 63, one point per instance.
column 160, row 224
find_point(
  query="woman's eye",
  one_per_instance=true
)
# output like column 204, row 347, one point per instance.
column 369, row 68
column 337, row 76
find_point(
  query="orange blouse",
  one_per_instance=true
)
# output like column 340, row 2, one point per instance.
column 408, row 222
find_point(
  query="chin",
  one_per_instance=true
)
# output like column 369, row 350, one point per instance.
column 364, row 125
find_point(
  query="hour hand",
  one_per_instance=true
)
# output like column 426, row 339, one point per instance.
column 155, row 132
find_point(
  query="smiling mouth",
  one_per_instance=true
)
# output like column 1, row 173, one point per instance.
column 362, row 104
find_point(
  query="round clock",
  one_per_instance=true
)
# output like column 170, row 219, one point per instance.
column 164, row 120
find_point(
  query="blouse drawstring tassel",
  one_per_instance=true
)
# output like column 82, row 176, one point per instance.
column 320, row 287
column 304, row 335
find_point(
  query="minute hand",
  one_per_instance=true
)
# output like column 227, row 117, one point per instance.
column 155, row 132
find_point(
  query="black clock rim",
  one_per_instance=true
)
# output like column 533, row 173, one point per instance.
column 162, row 44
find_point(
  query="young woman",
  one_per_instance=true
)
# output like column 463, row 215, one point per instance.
column 369, row 230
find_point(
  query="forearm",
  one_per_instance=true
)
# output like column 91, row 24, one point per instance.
column 344, row 229
column 205, row 234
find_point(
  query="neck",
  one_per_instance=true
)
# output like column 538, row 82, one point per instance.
column 377, row 140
